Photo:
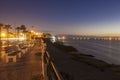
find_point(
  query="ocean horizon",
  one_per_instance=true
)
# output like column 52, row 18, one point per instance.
column 106, row 50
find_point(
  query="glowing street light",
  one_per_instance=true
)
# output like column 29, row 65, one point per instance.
column 32, row 31
column 36, row 33
column 3, row 34
column 63, row 37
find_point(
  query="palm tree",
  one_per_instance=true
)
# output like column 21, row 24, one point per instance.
column 1, row 25
column 23, row 28
column 18, row 31
column 7, row 27
column 25, row 33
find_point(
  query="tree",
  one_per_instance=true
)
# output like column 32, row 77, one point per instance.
column 23, row 28
column 25, row 34
column 7, row 27
column 18, row 31
column 1, row 25
column 46, row 35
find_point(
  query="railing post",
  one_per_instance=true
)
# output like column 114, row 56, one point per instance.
column 49, row 65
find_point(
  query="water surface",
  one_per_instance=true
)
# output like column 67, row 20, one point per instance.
column 109, row 51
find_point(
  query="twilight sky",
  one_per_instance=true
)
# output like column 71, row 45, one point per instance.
column 88, row 17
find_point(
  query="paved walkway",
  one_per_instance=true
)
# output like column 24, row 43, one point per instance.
column 24, row 69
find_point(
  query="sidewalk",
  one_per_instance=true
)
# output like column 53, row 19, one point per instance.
column 24, row 69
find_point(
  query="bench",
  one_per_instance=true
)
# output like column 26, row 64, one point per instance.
column 23, row 48
column 12, row 53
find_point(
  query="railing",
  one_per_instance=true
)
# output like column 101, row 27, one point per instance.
column 51, row 71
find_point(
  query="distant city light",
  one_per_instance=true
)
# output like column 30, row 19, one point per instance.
column 21, row 33
column 21, row 38
column 3, row 34
column 63, row 37
column 36, row 33
column 32, row 31
column 58, row 38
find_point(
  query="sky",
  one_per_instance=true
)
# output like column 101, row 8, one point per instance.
column 81, row 17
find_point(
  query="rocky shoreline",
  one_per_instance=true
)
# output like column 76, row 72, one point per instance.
column 74, row 65
column 88, row 59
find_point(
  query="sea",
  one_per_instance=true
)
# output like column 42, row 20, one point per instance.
column 106, row 50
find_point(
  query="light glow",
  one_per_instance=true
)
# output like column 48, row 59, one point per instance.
column 21, row 38
column 63, row 37
column 3, row 34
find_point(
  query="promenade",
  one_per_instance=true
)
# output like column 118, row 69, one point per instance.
column 28, row 66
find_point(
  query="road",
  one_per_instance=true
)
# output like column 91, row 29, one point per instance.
column 25, row 68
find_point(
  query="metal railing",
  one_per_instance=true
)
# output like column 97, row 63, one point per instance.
column 51, row 71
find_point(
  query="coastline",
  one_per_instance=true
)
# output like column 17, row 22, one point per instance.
column 91, row 60
column 76, row 65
